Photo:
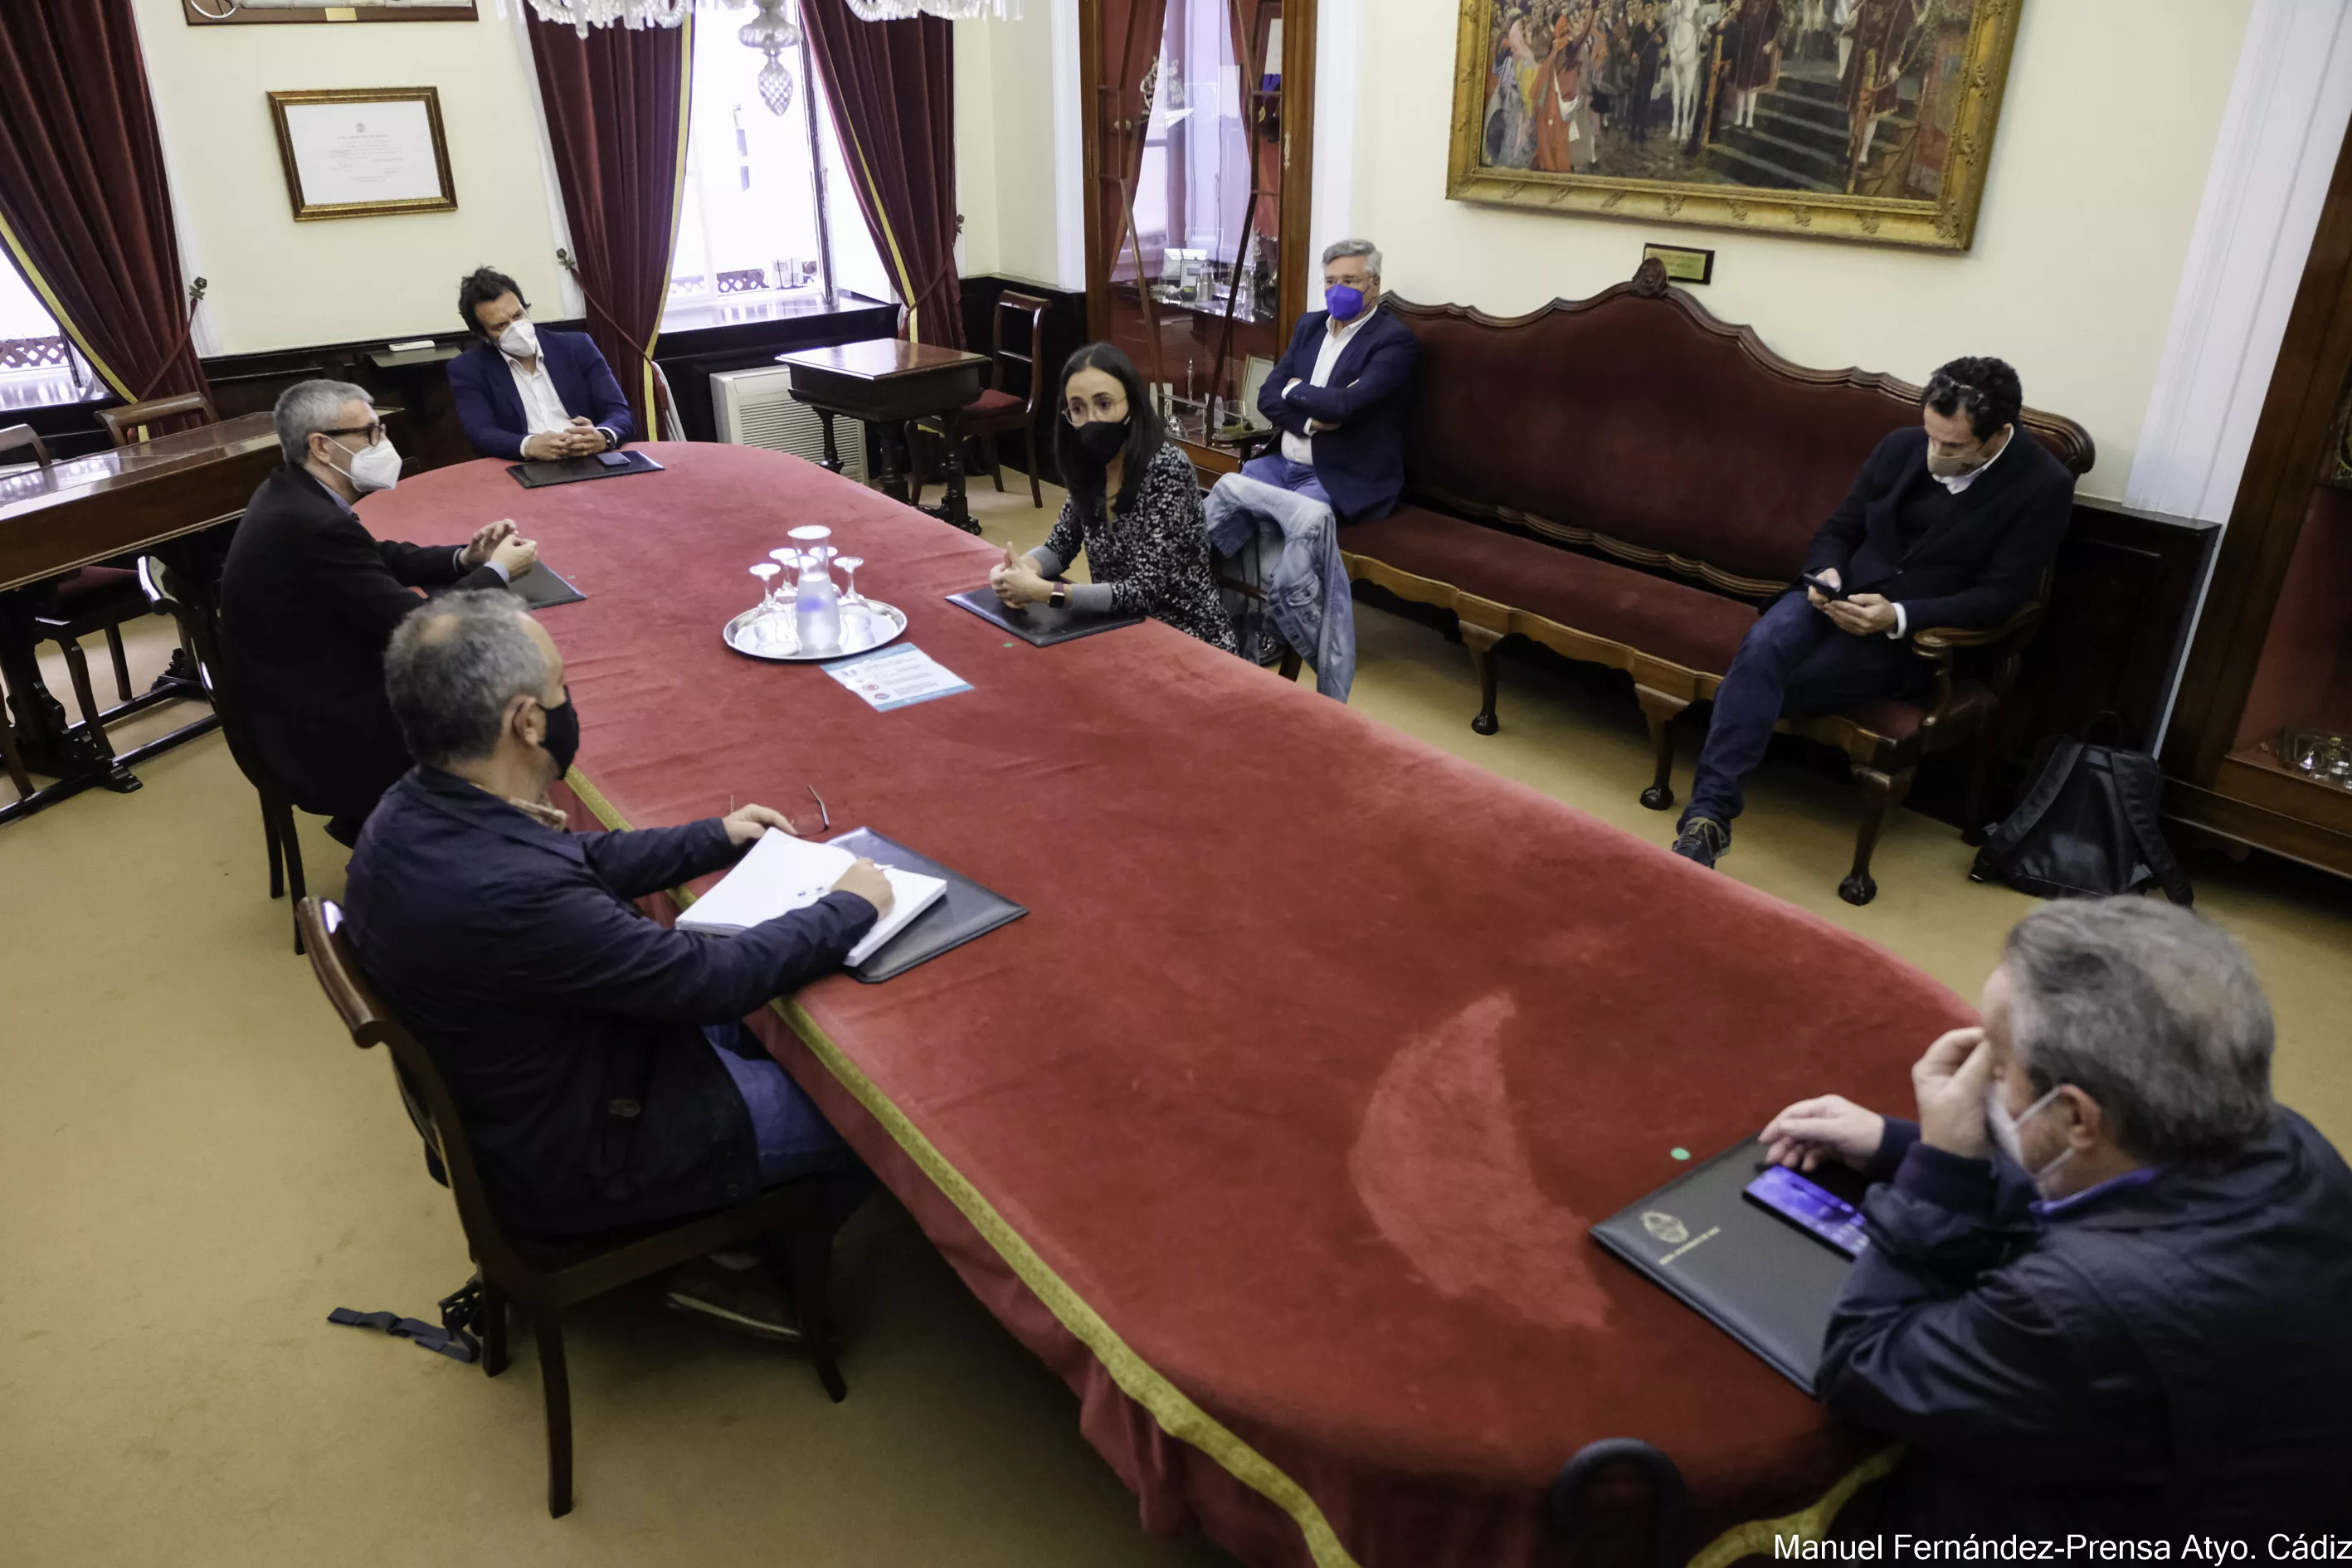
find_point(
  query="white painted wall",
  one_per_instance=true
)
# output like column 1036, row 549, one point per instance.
column 276, row 283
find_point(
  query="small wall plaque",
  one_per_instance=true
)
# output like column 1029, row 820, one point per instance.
column 1684, row 265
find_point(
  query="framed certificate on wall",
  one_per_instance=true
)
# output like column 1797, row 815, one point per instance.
column 364, row 151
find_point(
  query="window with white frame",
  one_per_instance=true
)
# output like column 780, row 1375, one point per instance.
column 37, row 361
column 747, row 230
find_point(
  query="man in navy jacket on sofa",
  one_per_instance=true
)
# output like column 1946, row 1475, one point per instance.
column 525, row 394
column 1950, row 523
column 1339, row 394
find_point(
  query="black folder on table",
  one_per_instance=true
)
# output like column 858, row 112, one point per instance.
column 541, row 586
column 1041, row 624
column 533, row 474
column 965, row 911
column 1745, row 1269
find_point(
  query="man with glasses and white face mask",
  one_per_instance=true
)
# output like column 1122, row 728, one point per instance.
column 2109, row 1282
column 309, row 601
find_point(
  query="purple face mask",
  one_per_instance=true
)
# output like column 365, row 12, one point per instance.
column 1343, row 302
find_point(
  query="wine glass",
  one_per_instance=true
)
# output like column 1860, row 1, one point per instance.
column 849, row 565
column 767, row 571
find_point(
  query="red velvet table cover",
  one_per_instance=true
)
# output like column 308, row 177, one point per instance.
column 1276, row 1126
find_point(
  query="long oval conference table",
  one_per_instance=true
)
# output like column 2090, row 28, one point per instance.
column 1276, row 1126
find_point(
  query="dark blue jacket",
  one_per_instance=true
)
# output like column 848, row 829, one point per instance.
column 566, row 1022
column 1975, row 568
column 2155, row 1357
column 1362, row 462
column 490, row 408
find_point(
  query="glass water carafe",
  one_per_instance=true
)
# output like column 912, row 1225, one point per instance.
column 816, row 602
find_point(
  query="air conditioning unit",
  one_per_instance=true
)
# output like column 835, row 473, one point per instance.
column 755, row 407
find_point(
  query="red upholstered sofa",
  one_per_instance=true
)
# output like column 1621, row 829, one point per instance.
column 1627, row 479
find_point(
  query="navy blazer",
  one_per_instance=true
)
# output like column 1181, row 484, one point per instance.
column 2158, row 1356
column 1361, row 461
column 566, row 1024
column 490, row 408
column 308, row 602
column 1974, row 569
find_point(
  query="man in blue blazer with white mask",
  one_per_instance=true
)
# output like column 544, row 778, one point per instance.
column 525, row 394
column 1339, row 394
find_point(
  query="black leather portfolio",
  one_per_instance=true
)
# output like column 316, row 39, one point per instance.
column 1744, row 1268
column 965, row 911
column 1041, row 624
column 540, row 587
column 530, row 476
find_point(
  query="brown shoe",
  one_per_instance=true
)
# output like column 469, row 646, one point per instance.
column 747, row 1300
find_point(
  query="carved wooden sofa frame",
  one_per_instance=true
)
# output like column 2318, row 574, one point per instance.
column 1884, row 742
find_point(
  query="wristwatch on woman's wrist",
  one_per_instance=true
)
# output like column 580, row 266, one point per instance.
column 1059, row 596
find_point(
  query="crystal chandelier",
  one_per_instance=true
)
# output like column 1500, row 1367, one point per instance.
column 772, row 33
column 584, row 15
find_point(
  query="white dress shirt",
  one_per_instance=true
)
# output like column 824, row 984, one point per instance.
column 542, row 410
column 1958, row 484
column 1300, row 449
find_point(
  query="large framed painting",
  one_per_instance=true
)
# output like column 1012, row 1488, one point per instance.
column 1860, row 120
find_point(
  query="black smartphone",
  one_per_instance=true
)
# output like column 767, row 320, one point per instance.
column 614, row 460
column 1821, row 585
column 1810, row 1207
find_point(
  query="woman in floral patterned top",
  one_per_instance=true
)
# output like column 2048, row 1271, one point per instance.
column 1148, row 549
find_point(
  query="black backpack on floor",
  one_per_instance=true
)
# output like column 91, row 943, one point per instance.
column 2088, row 826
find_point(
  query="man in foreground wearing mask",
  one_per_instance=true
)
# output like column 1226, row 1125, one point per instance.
column 2107, row 1276
column 521, row 393
column 308, row 600
column 597, row 1057
column 1951, row 525
column 1338, row 396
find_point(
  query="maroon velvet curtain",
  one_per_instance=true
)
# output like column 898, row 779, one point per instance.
column 892, row 88
column 88, row 214
column 616, row 105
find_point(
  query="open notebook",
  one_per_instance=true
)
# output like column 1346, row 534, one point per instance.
column 783, row 873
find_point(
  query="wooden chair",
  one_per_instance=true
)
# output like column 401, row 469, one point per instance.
column 997, row 412
column 201, row 636
column 88, row 602
column 128, row 425
column 539, row 1277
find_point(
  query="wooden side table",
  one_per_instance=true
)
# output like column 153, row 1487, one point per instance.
column 888, row 383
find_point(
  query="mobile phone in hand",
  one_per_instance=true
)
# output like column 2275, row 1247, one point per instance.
column 1821, row 585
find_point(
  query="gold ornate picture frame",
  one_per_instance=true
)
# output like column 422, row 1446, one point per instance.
column 364, row 151
column 1854, row 119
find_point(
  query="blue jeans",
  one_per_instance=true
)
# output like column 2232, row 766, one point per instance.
column 1794, row 660
column 1279, row 472
column 793, row 1137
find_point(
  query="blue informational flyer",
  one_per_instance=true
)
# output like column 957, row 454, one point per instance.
column 896, row 677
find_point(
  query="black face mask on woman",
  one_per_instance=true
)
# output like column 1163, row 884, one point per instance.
column 1102, row 439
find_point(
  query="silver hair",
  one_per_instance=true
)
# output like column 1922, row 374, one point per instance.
column 453, row 667
column 2154, row 1014
column 1363, row 247
column 308, row 408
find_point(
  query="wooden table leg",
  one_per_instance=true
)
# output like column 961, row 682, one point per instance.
column 952, row 508
column 890, row 436
column 832, row 462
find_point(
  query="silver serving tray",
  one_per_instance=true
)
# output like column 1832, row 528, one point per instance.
column 868, row 624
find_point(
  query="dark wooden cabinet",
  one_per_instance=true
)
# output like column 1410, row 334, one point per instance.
column 1199, row 136
column 2273, row 653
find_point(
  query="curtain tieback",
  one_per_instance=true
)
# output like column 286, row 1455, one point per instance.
column 179, row 344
